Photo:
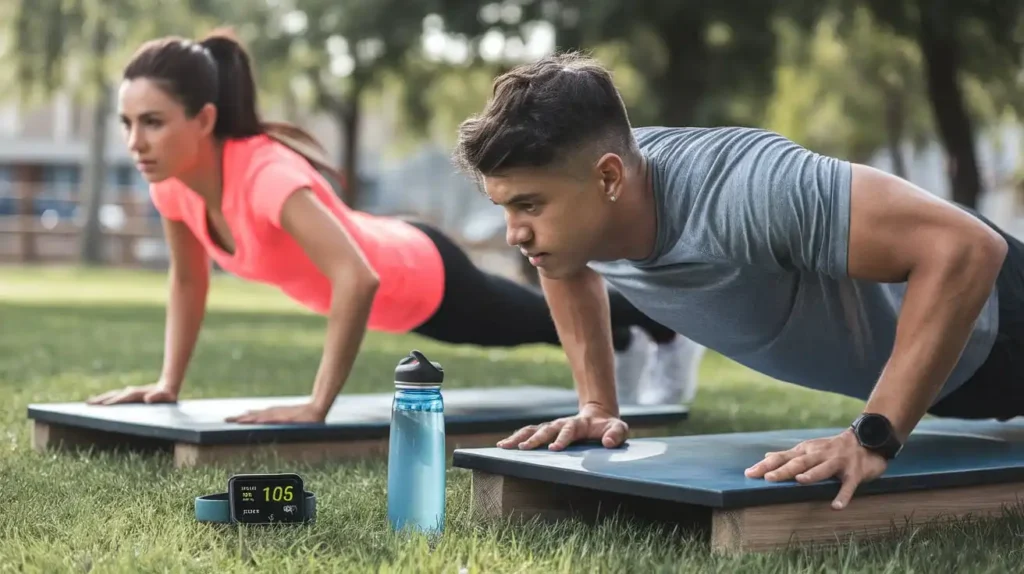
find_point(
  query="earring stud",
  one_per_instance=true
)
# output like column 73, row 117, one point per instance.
column 614, row 197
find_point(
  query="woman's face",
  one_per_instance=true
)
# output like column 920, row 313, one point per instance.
column 162, row 138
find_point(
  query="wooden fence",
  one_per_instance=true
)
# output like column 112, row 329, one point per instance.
column 40, row 228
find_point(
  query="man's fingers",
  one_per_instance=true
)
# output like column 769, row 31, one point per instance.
column 850, row 483
column 615, row 434
column 823, row 471
column 794, row 467
column 772, row 461
column 544, row 434
column 565, row 436
column 517, row 437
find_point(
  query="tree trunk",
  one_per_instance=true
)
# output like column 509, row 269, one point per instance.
column 940, row 51
column 96, row 168
column 350, row 132
column 682, row 87
column 894, row 121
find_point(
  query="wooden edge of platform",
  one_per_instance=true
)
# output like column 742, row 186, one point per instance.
column 778, row 526
column 192, row 455
column 520, row 499
column 751, row 529
column 53, row 436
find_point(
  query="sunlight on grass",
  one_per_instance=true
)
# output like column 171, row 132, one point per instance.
column 70, row 333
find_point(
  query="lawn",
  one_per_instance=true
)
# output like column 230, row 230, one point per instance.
column 66, row 334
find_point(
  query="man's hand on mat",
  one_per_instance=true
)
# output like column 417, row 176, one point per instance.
column 592, row 423
column 307, row 413
column 815, row 460
column 155, row 393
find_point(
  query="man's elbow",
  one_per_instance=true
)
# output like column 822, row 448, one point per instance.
column 977, row 256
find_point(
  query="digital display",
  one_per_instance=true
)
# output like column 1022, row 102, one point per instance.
column 266, row 499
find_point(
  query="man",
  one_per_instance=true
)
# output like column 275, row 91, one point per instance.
column 812, row 270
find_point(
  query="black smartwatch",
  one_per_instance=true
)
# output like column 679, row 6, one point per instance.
column 259, row 499
column 875, row 433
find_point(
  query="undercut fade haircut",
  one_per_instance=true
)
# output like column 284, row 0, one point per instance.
column 544, row 113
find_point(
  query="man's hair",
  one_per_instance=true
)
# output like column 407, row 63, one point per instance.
column 543, row 113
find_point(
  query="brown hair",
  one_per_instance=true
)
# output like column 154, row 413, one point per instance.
column 218, row 70
column 542, row 113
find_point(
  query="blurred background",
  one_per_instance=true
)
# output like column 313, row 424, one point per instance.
column 931, row 90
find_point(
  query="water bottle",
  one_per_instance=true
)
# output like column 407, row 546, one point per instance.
column 416, row 452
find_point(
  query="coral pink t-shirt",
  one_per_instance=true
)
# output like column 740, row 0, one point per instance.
column 259, row 174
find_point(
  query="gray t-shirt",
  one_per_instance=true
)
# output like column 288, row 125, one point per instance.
column 750, row 260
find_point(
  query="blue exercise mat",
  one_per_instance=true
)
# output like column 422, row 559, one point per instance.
column 353, row 417
column 708, row 470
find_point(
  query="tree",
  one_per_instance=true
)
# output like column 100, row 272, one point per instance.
column 849, row 87
column 957, row 38
column 75, row 45
column 699, row 63
column 331, row 52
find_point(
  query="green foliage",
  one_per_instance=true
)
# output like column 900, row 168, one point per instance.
column 849, row 87
column 989, row 35
column 53, row 42
column 331, row 51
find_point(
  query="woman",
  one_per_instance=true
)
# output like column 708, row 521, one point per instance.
column 248, row 195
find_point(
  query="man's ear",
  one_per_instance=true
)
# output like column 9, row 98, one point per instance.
column 611, row 171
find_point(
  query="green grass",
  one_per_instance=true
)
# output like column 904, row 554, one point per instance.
column 66, row 334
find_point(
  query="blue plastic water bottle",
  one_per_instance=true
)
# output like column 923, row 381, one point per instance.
column 416, row 454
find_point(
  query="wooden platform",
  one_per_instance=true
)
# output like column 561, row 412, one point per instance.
column 948, row 469
column 358, row 425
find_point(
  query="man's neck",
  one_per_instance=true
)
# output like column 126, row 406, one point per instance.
column 635, row 220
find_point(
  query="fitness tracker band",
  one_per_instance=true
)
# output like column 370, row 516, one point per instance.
column 259, row 499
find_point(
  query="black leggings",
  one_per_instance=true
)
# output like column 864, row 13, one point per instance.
column 996, row 389
column 489, row 310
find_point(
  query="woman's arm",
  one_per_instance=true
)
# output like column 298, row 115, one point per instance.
column 188, row 285
column 354, row 286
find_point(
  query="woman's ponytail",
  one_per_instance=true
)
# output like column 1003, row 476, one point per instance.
column 237, row 116
column 237, row 108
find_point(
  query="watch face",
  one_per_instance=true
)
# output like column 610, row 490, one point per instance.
column 873, row 431
column 267, row 498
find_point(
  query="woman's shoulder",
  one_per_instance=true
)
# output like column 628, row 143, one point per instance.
column 252, row 156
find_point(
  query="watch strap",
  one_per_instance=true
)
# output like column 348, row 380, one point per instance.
column 216, row 508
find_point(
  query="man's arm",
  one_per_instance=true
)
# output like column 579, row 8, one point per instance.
column 949, row 260
column 767, row 202
column 580, row 310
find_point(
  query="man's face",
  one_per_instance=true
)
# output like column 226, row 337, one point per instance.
column 557, row 218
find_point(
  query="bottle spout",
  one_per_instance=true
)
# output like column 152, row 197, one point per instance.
column 416, row 368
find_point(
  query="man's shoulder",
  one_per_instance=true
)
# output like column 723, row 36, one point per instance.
column 662, row 138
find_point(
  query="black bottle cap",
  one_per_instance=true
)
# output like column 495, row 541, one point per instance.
column 416, row 369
